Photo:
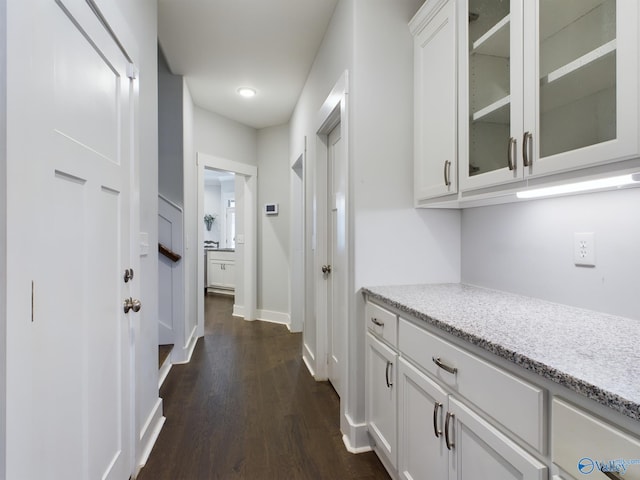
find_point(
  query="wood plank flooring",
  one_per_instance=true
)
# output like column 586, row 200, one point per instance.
column 245, row 407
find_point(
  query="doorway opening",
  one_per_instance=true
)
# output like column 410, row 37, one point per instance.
column 228, row 197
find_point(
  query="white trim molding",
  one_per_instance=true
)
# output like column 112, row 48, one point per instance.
column 356, row 439
column 149, row 434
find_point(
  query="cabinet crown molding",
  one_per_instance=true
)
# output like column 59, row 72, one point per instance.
column 424, row 15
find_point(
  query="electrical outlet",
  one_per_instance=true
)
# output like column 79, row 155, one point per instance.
column 584, row 249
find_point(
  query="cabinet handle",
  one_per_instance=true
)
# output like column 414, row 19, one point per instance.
column 377, row 322
column 511, row 152
column 437, row 432
column 527, row 150
column 449, row 443
column 447, row 173
column 386, row 374
column 444, row 366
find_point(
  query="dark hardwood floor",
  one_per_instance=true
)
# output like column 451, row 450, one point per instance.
column 245, row 407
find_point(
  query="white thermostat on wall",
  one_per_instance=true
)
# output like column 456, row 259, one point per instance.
column 271, row 208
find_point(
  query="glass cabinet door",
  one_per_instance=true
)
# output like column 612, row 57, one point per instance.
column 577, row 74
column 494, row 82
column 582, row 65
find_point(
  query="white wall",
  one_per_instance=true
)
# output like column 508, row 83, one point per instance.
column 392, row 242
column 527, row 248
column 221, row 137
column 273, row 230
column 170, row 138
column 333, row 58
column 192, row 249
column 3, row 231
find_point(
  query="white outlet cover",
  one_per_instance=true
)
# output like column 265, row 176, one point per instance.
column 584, row 249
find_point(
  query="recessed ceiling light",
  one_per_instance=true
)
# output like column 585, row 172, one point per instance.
column 246, row 92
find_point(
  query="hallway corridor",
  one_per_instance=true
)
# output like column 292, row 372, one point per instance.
column 245, row 407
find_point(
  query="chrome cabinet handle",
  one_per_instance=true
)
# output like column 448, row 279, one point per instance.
column 527, row 150
column 444, row 366
column 386, row 374
column 437, row 432
column 377, row 322
column 326, row 269
column 511, row 153
column 447, row 173
column 128, row 275
column 450, row 444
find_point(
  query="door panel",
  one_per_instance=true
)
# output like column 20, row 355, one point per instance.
column 336, row 241
column 77, row 107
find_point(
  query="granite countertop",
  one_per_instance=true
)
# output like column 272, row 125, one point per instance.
column 213, row 249
column 594, row 354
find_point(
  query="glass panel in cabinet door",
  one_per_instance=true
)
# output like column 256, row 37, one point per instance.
column 577, row 74
column 489, row 85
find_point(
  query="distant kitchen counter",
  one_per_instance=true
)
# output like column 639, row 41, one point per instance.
column 591, row 353
column 209, row 249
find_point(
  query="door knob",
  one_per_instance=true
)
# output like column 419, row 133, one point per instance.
column 326, row 269
column 131, row 304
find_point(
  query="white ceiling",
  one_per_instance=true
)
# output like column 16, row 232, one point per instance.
column 221, row 45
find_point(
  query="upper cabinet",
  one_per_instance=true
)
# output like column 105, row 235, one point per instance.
column 545, row 86
column 435, row 139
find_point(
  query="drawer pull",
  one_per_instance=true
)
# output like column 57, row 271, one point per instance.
column 386, row 374
column 444, row 366
column 449, row 443
column 437, row 432
column 377, row 322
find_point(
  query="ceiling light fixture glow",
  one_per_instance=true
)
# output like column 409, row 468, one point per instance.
column 589, row 185
column 246, row 92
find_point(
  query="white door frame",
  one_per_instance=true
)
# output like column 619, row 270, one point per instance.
column 333, row 112
column 250, row 175
column 298, row 247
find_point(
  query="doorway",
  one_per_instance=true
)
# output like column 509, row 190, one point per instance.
column 243, row 239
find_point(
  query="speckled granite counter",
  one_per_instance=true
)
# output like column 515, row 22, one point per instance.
column 593, row 354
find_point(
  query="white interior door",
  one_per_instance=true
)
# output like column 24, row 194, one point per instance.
column 76, row 422
column 336, row 257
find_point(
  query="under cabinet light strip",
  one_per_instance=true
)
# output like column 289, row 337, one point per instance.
column 610, row 182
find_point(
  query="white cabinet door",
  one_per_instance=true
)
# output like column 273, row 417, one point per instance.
column 581, row 83
column 422, row 405
column 545, row 87
column 435, row 140
column 228, row 275
column 490, row 90
column 381, row 397
column 480, row 451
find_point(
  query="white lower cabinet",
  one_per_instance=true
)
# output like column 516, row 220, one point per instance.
column 479, row 450
column 381, row 403
column 442, row 438
column 422, row 406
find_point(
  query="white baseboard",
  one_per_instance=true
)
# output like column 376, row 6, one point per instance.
column 273, row 317
column 149, row 434
column 264, row 315
column 308, row 358
column 180, row 356
column 356, row 438
column 164, row 371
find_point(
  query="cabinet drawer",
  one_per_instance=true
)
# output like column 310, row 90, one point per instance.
column 516, row 404
column 382, row 323
column 581, row 444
